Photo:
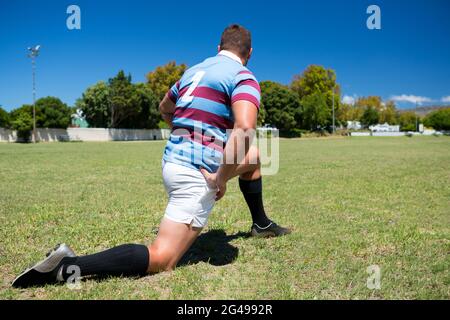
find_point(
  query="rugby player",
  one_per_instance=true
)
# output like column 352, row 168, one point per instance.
column 200, row 157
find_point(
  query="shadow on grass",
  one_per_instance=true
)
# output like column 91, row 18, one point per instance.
column 214, row 248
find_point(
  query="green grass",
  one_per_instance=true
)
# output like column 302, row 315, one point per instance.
column 352, row 203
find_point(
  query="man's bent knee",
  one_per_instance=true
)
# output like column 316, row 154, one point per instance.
column 161, row 260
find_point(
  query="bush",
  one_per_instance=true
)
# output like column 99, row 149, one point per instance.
column 407, row 121
column 439, row 120
column 370, row 116
column 23, row 124
column 408, row 127
column 51, row 112
column 163, row 125
column 292, row 133
column 343, row 132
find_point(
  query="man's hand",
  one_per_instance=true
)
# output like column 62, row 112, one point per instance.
column 245, row 114
column 215, row 182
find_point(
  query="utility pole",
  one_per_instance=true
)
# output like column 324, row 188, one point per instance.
column 34, row 52
column 417, row 120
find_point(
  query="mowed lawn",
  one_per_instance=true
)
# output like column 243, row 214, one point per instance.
column 352, row 202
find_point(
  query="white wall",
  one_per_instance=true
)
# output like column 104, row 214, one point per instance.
column 50, row 135
column 388, row 134
column 100, row 134
column 360, row 134
column 7, row 135
column 377, row 134
column 90, row 134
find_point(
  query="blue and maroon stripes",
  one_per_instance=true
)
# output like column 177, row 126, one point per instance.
column 174, row 92
column 209, row 118
column 247, row 90
column 219, row 82
column 200, row 137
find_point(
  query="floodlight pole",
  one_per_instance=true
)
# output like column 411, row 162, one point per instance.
column 34, row 52
column 33, row 64
column 417, row 120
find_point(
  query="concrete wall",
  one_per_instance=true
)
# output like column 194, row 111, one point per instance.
column 51, row 135
column 90, row 134
column 377, row 134
column 7, row 135
column 360, row 134
column 388, row 134
column 99, row 134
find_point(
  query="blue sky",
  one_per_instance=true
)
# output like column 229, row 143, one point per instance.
column 409, row 58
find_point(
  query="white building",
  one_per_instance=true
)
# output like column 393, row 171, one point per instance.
column 384, row 128
column 354, row 125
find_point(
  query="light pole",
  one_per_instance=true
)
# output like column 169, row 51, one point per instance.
column 34, row 52
column 417, row 121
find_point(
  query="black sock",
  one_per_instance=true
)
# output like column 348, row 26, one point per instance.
column 252, row 191
column 126, row 260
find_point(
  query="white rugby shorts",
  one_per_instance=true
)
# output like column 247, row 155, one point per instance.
column 191, row 200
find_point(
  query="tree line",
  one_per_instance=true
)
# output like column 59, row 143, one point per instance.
column 303, row 105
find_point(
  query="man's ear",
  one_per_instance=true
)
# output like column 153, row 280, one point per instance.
column 248, row 56
column 218, row 48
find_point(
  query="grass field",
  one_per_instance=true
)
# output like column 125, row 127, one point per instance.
column 352, row 202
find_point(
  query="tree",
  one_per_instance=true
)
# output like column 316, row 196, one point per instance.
column 148, row 117
column 316, row 113
column 5, row 120
column 51, row 112
column 374, row 102
column 370, row 116
column 261, row 120
column 345, row 113
column 371, row 110
column 317, row 84
column 388, row 113
column 357, row 112
column 123, row 99
column 22, row 121
column 313, row 80
column 348, row 112
column 438, row 120
column 120, row 104
column 162, row 78
column 95, row 105
column 407, row 121
column 280, row 104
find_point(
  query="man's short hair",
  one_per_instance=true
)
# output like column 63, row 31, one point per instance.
column 237, row 39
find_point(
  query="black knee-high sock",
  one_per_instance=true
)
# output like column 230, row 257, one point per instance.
column 252, row 191
column 126, row 260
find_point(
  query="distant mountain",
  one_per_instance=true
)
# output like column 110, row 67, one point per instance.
column 423, row 111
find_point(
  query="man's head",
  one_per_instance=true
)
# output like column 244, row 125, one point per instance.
column 238, row 40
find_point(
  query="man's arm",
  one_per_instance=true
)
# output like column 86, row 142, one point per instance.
column 245, row 118
column 167, row 109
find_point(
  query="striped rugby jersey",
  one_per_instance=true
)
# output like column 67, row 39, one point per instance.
column 203, row 98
